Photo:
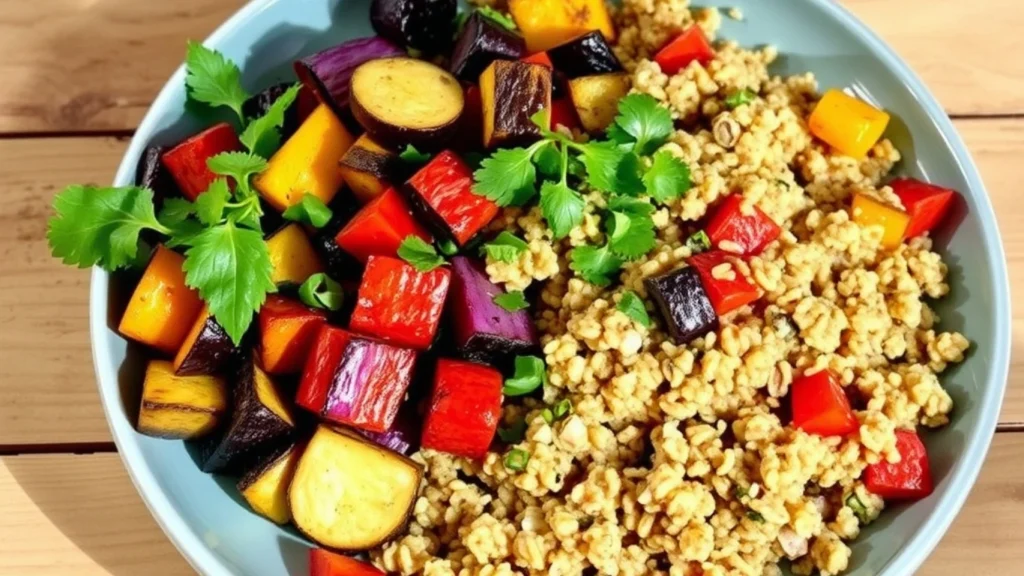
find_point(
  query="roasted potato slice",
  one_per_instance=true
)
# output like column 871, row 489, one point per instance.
column 182, row 407
column 265, row 485
column 597, row 98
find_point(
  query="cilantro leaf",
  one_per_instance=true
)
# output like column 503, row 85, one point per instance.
column 321, row 291
column 101, row 226
column 698, row 242
column 631, row 305
column 413, row 156
column 230, row 268
column 447, row 247
column 645, row 120
column 594, row 263
column 419, row 254
column 630, row 206
column 262, row 136
column 562, row 207
column 501, row 19
column 611, row 169
column 238, row 165
column 175, row 211
column 542, row 119
column 210, row 204
column 309, row 210
column 618, row 226
column 513, row 301
column 513, row 433
column 549, row 160
column 529, row 374
column 739, row 98
column 213, row 79
column 667, row 178
column 636, row 239
column 184, row 233
column 506, row 247
column 507, row 177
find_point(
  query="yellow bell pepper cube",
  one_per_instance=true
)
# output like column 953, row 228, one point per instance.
column 292, row 256
column 847, row 124
column 307, row 163
column 548, row 23
column 870, row 212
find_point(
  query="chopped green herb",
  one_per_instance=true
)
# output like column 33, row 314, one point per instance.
column 782, row 183
column 309, row 210
column 508, row 177
column 512, row 301
column 514, row 433
column 594, row 263
column 263, row 136
column 549, row 160
column 413, row 156
column 562, row 409
column 740, row 492
column 630, row 235
column 858, row 507
column 631, row 305
column 755, row 516
column 213, row 79
column 647, row 122
column 548, row 416
column 448, row 247
column 419, row 254
column 210, row 204
column 562, row 207
column 175, row 211
column 668, row 178
column 516, row 459
column 500, row 18
column 505, row 248
column 739, row 98
column 698, row 242
column 320, row 291
column 529, row 375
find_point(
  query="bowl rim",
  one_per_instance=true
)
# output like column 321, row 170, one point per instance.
column 964, row 472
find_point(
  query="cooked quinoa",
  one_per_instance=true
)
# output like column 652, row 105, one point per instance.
column 673, row 460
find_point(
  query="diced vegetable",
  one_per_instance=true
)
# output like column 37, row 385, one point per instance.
column 259, row 104
column 512, row 92
column 683, row 304
column 307, row 163
column 403, row 437
column 586, row 55
column 324, row 563
column 321, row 364
column 464, row 408
column 481, row 42
column 369, row 384
column 743, row 230
column 260, row 421
column 483, row 331
column 151, row 173
column 292, row 256
column 548, row 23
column 403, row 101
column 328, row 73
column 540, row 59
column 470, row 136
column 350, row 494
column 690, row 46
column 909, row 479
column 287, row 331
column 207, row 349
column 181, row 407
column 265, row 485
column 426, row 25
column 927, row 204
column 441, row 194
column 868, row 211
column 597, row 99
column 367, row 168
column 820, row 405
column 187, row 161
column 563, row 113
column 400, row 304
column 847, row 124
column 162, row 309
column 380, row 227
column 726, row 286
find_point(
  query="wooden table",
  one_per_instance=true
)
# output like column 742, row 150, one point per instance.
column 78, row 76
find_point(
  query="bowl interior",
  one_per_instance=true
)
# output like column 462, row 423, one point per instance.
column 216, row 531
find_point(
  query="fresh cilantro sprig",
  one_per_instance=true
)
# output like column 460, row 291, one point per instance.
column 506, row 247
column 631, row 305
column 739, row 98
column 513, row 301
column 419, row 254
column 309, row 210
column 213, row 79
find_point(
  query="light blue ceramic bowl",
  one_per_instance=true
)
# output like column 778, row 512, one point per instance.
column 213, row 528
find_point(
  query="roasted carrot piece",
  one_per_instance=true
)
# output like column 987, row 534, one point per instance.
column 287, row 331
column 548, row 23
column 162, row 309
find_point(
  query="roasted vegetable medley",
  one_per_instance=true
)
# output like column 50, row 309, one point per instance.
column 539, row 287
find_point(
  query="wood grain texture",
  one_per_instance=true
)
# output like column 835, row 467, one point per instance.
column 80, row 515
column 74, row 65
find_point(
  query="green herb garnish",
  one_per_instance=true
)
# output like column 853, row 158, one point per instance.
column 516, row 459
column 262, row 136
column 858, row 507
column 448, row 247
column 512, row 301
column 739, row 98
column 755, row 516
column 595, row 264
column 419, row 254
column 498, row 17
column 309, row 210
column 559, row 411
column 413, row 156
column 506, row 247
column 668, row 178
column 631, row 305
column 513, row 433
column 698, row 242
column 529, row 374
column 321, row 291
column 212, row 79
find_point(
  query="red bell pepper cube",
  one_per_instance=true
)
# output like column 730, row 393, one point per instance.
column 563, row 112
column 321, row 364
column 820, row 405
column 400, row 304
column 464, row 408
column 910, row 479
column 379, row 227
column 324, row 563
column 540, row 59
column 689, row 46
column 187, row 161
column 287, row 331
column 745, row 234
column 441, row 194
column 926, row 204
column 727, row 289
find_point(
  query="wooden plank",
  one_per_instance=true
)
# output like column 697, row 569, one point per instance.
column 73, row 66
column 66, row 514
column 46, row 373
